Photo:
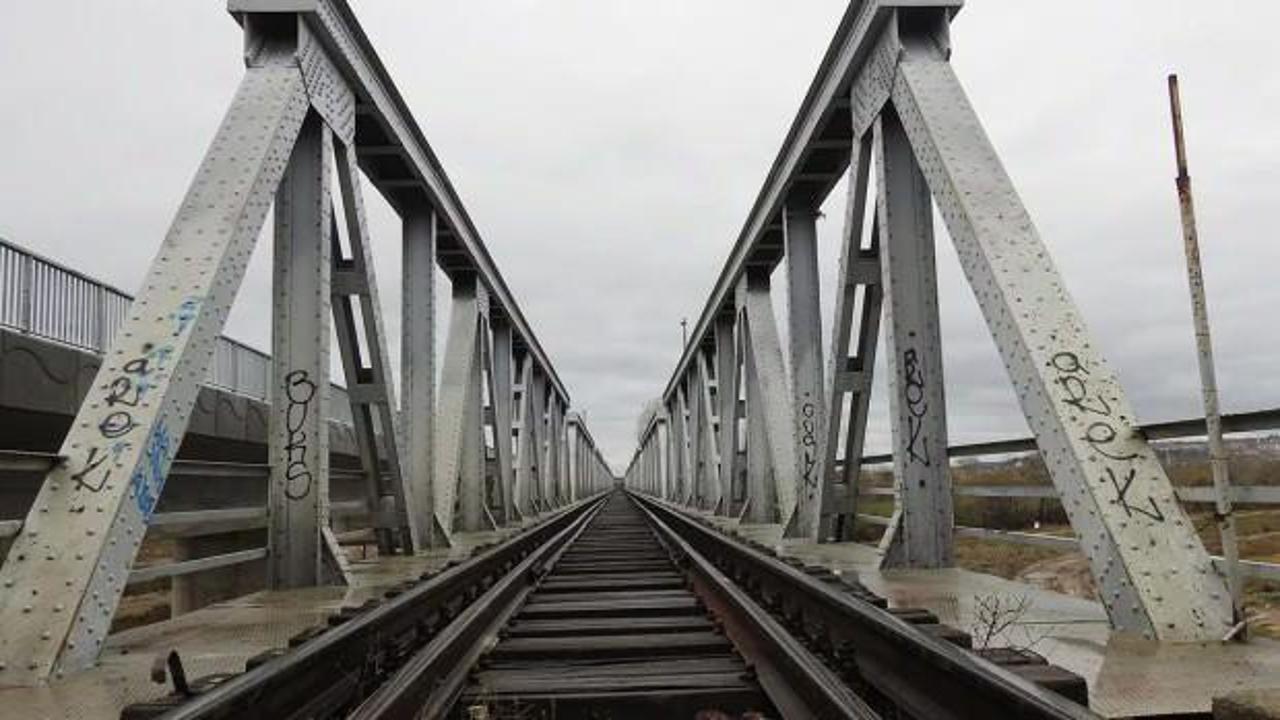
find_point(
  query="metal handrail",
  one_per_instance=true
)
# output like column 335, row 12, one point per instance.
column 46, row 299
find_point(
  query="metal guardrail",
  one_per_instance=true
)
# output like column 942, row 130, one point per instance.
column 48, row 300
column 1238, row 423
column 192, row 523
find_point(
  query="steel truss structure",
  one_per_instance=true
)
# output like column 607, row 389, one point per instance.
column 774, row 441
column 315, row 102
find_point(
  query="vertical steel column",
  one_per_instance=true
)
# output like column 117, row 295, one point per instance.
column 526, row 454
column 555, row 498
column 459, row 441
column 726, row 411
column 739, row 482
column 562, row 439
column 575, row 464
column 1154, row 575
column 79, row 539
column 804, row 322
column 491, row 477
column 920, row 532
column 538, row 432
column 771, row 453
column 298, row 435
column 697, row 450
column 418, row 368
column 663, row 455
column 708, row 452
column 684, row 439
column 502, row 401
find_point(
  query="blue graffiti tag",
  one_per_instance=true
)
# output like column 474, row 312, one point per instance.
column 186, row 314
column 148, row 478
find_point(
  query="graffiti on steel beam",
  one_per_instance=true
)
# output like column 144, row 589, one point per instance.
column 148, row 479
column 808, row 443
column 124, row 393
column 1101, row 433
column 917, row 407
column 186, row 314
column 299, row 392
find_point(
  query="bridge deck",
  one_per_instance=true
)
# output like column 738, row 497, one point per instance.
column 1127, row 678
column 218, row 638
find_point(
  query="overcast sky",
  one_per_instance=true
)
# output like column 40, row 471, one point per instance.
column 609, row 151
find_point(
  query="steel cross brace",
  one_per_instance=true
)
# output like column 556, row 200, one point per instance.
column 849, row 375
column 358, row 317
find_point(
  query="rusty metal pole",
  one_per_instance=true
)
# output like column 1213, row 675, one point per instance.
column 1208, row 380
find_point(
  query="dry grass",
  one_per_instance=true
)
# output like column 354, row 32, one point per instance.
column 1002, row 559
column 1258, row 527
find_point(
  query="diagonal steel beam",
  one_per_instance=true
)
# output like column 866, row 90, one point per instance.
column 1154, row 574
column 68, row 566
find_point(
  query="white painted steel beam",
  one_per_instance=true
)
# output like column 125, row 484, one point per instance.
column 1154, row 575
column 418, row 369
column 684, row 440
column 919, row 534
column 537, row 423
column 772, row 463
column 363, row 346
column 849, row 376
column 530, row 453
column 708, row 437
column 298, row 432
column 459, row 442
column 726, row 411
column 68, row 566
column 804, row 342
column 503, row 376
column 662, row 455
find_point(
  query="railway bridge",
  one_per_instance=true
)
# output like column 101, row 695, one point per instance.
column 449, row 541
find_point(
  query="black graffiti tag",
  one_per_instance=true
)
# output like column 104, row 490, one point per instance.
column 1101, row 432
column 917, row 408
column 299, row 392
column 1071, row 378
column 808, row 461
column 91, row 463
column 1122, row 496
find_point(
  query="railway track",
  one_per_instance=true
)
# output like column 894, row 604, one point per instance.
column 622, row 608
column 612, row 625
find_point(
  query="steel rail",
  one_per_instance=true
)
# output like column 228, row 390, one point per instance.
column 342, row 665
column 796, row 680
column 922, row 675
column 429, row 683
